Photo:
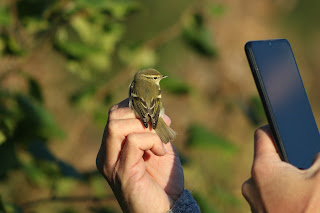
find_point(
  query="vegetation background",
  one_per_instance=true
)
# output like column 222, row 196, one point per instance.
column 63, row 63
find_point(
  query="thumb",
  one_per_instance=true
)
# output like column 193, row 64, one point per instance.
column 264, row 143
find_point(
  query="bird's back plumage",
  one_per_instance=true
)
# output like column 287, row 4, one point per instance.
column 145, row 100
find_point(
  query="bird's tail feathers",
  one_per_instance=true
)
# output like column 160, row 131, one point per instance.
column 165, row 133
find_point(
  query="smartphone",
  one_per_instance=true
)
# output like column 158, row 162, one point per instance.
column 285, row 101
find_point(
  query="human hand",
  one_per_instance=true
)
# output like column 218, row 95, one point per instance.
column 144, row 174
column 277, row 186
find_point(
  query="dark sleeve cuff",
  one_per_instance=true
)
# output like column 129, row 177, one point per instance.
column 185, row 204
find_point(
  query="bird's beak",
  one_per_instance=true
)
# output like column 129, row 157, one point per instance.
column 164, row 76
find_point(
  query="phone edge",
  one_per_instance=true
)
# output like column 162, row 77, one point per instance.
column 265, row 101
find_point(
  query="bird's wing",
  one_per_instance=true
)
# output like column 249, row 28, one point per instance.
column 154, row 111
column 139, row 105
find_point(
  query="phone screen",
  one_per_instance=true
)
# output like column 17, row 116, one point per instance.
column 285, row 101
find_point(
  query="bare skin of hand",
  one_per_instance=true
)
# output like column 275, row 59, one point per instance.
column 144, row 174
column 277, row 186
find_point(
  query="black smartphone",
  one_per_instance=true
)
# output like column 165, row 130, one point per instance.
column 284, row 100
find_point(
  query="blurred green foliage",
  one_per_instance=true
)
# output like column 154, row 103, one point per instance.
column 199, row 37
column 176, row 86
column 89, row 37
column 202, row 137
column 204, row 204
column 254, row 110
column 85, row 33
column 224, row 196
column 217, row 9
column 303, row 18
column 2, row 209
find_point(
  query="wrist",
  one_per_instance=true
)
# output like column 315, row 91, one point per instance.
column 185, row 203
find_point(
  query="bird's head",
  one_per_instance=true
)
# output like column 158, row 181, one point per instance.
column 150, row 75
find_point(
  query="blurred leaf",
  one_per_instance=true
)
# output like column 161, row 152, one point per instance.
column 94, row 32
column 34, row 8
column 40, row 151
column 98, row 61
column 5, row 18
column 96, row 4
column 217, row 9
column 67, row 170
column 76, row 67
column 116, row 8
column 8, row 158
column 137, row 56
column 2, row 209
column 204, row 204
column 85, row 30
column 12, row 208
column 89, row 44
column 256, row 110
column 9, row 115
column 200, row 136
column 110, row 36
column 35, row 174
column 3, row 137
column 37, row 121
column 83, row 97
column 35, row 26
column 100, row 114
column 121, row 8
column 176, row 86
column 64, row 186
column 35, row 89
column 108, row 99
column 4, row 130
column 253, row 108
column 76, row 49
column 199, row 37
column 7, row 124
column 2, row 46
column 14, row 47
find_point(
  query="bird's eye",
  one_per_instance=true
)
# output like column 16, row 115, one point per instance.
column 155, row 78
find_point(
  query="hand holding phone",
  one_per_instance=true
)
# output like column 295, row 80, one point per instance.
column 277, row 186
column 285, row 101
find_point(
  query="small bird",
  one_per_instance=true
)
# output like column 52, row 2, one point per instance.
column 145, row 100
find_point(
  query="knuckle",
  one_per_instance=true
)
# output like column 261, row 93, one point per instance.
column 113, row 127
column 262, row 172
column 133, row 141
column 132, row 138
